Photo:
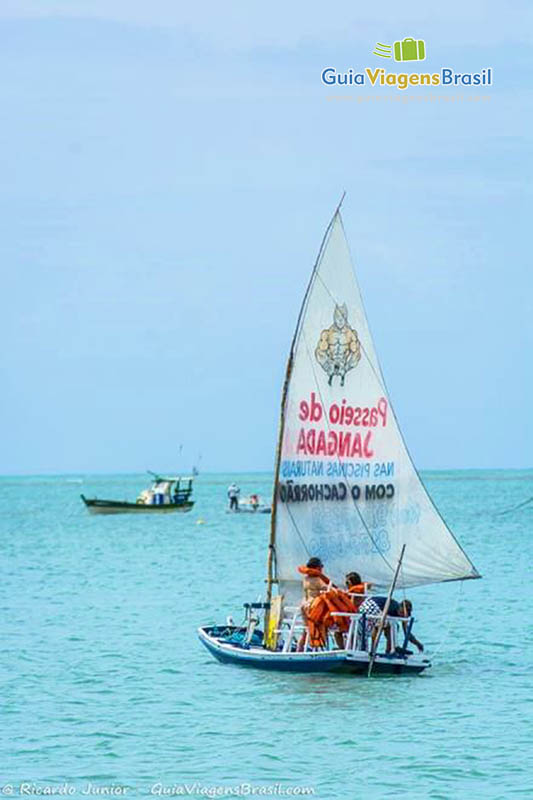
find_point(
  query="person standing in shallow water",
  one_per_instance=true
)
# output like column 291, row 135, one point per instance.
column 233, row 495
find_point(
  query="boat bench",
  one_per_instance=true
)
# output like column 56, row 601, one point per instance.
column 290, row 619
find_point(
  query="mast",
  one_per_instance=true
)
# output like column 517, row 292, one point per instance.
column 271, row 559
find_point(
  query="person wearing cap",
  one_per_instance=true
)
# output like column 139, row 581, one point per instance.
column 233, row 496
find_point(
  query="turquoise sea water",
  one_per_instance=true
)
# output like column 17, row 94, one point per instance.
column 105, row 685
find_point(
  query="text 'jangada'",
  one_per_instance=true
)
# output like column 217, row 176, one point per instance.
column 403, row 80
column 347, row 443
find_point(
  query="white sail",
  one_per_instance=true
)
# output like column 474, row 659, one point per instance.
column 347, row 490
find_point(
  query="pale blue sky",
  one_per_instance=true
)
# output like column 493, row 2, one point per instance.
column 167, row 174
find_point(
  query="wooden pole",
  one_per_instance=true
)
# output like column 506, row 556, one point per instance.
column 272, row 542
column 374, row 650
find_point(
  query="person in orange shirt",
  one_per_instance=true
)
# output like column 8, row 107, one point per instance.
column 322, row 599
column 357, row 587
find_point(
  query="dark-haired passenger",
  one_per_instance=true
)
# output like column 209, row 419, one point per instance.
column 373, row 606
column 357, row 588
column 313, row 584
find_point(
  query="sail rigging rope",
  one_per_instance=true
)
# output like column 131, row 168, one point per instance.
column 514, row 508
column 296, row 528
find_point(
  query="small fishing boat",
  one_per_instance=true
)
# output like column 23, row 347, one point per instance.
column 345, row 491
column 166, row 494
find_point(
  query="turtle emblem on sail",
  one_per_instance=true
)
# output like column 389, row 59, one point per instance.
column 338, row 350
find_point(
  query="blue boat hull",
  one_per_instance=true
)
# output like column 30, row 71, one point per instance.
column 333, row 661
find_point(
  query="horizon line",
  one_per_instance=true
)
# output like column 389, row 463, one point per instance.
column 83, row 473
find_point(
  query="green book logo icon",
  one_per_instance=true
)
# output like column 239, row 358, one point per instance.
column 410, row 50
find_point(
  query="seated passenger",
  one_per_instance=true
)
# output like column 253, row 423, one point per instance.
column 320, row 610
column 313, row 584
column 347, row 602
column 357, row 587
column 374, row 606
column 314, row 581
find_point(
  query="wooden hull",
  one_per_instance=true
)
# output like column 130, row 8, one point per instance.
column 96, row 506
column 333, row 661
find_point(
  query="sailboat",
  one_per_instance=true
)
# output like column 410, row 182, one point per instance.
column 345, row 491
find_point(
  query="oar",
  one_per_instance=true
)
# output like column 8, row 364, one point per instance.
column 374, row 650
